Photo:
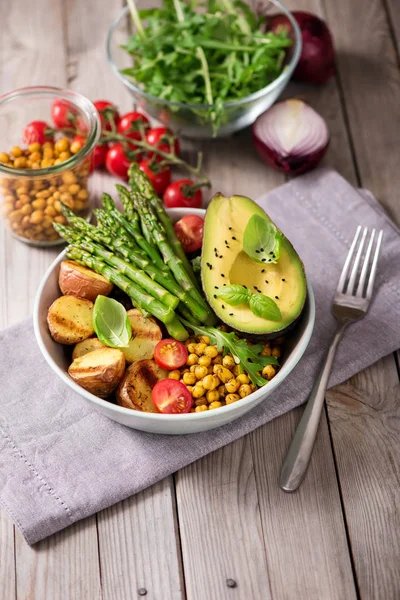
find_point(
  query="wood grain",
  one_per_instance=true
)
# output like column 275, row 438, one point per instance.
column 370, row 82
column 220, row 526
column 7, row 565
column 60, row 567
column 304, row 533
column 364, row 419
column 139, row 546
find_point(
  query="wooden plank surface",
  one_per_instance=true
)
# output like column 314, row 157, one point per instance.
column 220, row 526
column 364, row 420
column 139, row 547
column 7, row 558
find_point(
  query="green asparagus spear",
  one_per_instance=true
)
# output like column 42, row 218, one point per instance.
column 139, row 181
column 138, row 296
column 130, row 213
column 174, row 262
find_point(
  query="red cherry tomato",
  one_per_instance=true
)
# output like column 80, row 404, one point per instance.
column 63, row 114
column 179, row 194
column 107, row 112
column 171, row 396
column 156, row 137
column 117, row 162
column 190, row 232
column 131, row 124
column 170, row 354
column 37, row 131
column 159, row 178
column 99, row 156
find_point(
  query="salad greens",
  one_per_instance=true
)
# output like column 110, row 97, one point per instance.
column 248, row 357
column 111, row 322
column 203, row 52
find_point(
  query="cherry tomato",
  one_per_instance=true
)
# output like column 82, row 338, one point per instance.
column 179, row 194
column 37, row 131
column 63, row 114
column 117, row 162
column 107, row 112
column 190, row 232
column 129, row 125
column 170, row 354
column 156, row 137
column 171, row 396
column 159, row 178
column 99, row 156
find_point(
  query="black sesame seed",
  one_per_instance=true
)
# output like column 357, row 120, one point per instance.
column 264, row 259
column 231, row 314
column 257, row 251
column 283, row 279
column 226, row 241
column 271, row 252
column 221, row 256
column 277, row 297
column 261, row 249
column 230, row 228
column 228, row 246
column 222, row 275
column 255, row 287
column 224, row 284
column 222, row 305
column 215, row 287
column 215, row 295
column 233, row 237
column 262, row 270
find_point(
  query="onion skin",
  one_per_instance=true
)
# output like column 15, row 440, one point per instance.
column 317, row 59
column 292, row 165
column 303, row 150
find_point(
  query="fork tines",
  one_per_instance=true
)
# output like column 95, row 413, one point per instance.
column 355, row 282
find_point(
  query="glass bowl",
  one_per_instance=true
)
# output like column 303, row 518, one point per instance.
column 31, row 197
column 191, row 120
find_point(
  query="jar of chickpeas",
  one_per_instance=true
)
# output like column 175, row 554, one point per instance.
column 47, row 139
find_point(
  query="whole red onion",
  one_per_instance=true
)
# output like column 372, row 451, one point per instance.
column 317, row 59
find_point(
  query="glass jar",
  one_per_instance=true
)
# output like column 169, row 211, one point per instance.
column 58, row 173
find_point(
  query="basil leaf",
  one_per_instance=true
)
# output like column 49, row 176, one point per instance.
column 233, row 294
column 261, row 240
column 264, row 307
column 111, row 322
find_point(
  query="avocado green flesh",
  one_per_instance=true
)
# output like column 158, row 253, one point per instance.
column 284, row 281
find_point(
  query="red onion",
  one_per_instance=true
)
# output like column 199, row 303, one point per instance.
column 291, row 137
column 317, row 59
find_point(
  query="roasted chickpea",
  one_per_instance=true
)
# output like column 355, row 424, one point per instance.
column 242, row 378
column 211, row 351
column 276, row 352
column 268, row 372
column 232, row 386
column 198, row 390
column 68, row 177
column 16, row 152
column 192, row 359
column 228, row 361
column 201, row 408
column 50, row 211
column 62, row 144
column 217, row 360
column 266, row 351
column 35, row 157
column 200, row 371
column 205, row 339
column 20, row 162
column 244, row 390
column 200, row 348
column 4, row 157
column 34, row 147
column 224, row 374
column 39, row 204
column 83, row 195
column 205, row 361
column 211, row 382
column 26, row 209
column 60, row 219
column 201, row 401
column 189, row 378
column 232, row 398
column 212, row 396
column 37, row 217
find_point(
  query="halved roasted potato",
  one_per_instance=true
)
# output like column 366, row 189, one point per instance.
column 86, row 346
column 145, row 336
column 99, row 371
column 134, row 391
column 70, row 319
column 76, row 280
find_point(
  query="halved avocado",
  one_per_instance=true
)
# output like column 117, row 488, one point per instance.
column 224, row 262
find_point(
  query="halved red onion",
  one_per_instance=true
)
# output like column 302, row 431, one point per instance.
column 291, row 137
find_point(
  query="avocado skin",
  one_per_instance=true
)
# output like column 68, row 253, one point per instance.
column 272, row 333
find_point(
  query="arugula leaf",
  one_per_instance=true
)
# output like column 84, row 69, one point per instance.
column 233, row 294
column 111, row 322
column 261, row 240
column 264, row 307
column 248, row 357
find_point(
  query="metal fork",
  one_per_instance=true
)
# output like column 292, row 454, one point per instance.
column 351, row 303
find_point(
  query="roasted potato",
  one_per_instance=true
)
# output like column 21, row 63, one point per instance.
column 134, row 391
column 70, row 319
column 76, row 280
column 99, row 372
column 145, row 336
column 87, row 346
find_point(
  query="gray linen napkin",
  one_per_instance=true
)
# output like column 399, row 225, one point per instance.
column 61, row 461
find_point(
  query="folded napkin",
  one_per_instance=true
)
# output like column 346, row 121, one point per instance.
column 61, row 461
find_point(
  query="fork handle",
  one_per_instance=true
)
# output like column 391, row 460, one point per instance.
column 298, row 457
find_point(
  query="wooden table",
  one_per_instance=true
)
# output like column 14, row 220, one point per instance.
column 224, row 517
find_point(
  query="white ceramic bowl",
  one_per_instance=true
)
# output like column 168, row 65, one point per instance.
column 55, row 356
